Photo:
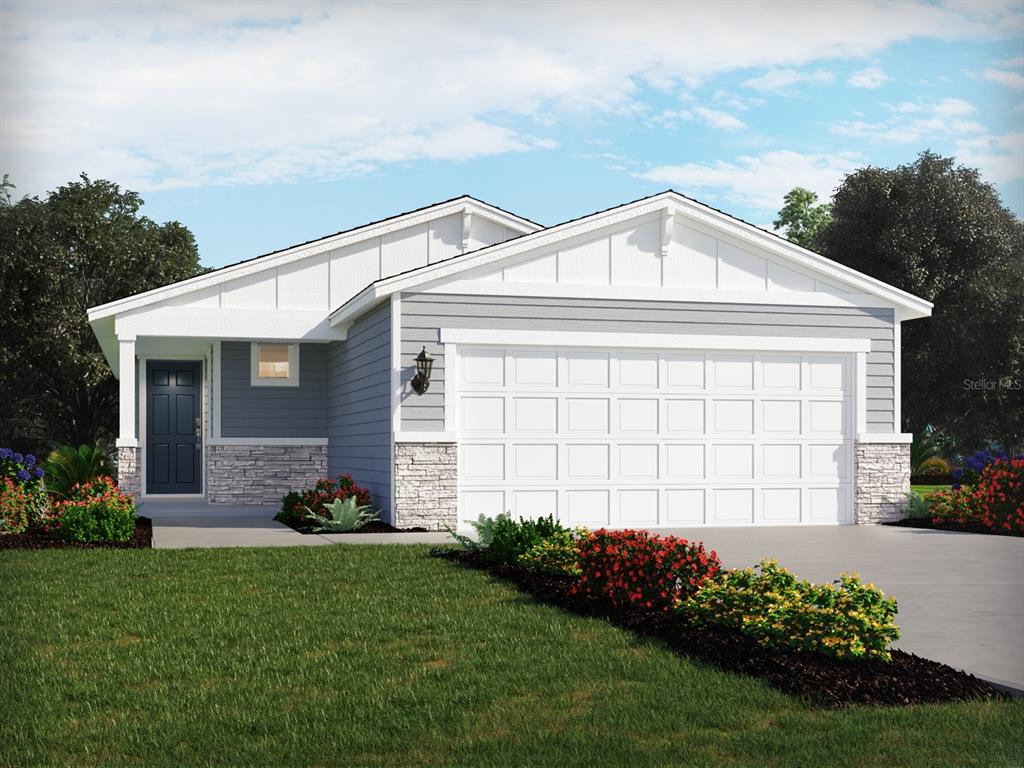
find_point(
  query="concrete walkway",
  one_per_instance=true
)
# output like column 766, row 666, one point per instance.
column 179, row 524
column 960, row 595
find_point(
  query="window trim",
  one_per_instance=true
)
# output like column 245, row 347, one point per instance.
column 254, row 366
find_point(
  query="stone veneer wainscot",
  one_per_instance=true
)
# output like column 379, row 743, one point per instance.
column 129, row 471
column 261, row 474
column 882, row 481
column 426, row 485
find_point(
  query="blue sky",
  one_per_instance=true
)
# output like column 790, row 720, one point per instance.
column 262, row 125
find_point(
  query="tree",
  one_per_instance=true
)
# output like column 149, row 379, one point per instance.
column 935, row 229
column 802, row 220
column 84, row 244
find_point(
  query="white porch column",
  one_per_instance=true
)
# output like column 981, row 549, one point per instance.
column 126, row 437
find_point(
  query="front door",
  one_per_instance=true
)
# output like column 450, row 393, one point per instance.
column 173, row 442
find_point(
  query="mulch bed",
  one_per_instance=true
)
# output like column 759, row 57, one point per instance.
column 820, row 680
column 377, row 526
column 37, row 539
column 927, row 522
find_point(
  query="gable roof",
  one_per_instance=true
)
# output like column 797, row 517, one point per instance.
column 910, row 306
column 312, row 247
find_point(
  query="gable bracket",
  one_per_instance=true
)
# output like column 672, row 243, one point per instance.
column 667, row 222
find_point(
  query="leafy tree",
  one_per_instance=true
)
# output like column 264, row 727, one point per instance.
column 802, row 220
column 84, row 244
column 935, row 229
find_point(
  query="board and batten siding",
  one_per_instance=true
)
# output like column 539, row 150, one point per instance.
column 359, row 405
column 279, row 412
column 424, row 314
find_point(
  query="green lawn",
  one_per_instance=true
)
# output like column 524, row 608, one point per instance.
column 366, row 655
column 924, row 490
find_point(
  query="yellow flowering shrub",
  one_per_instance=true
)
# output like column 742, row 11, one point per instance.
column 557, row 554
column 845, row 619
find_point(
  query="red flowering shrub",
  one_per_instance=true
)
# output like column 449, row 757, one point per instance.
column 996, row 502
column 324, row 492
column 95, row 511
column 15, row 502
column 641, row 570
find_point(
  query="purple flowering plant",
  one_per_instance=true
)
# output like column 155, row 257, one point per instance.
column 24, row 473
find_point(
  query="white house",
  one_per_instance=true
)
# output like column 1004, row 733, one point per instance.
column 655, row 364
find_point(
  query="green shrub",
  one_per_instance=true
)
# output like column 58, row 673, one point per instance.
column 557, row 554
column 917, row 506
column 341, row 516
column 295, row 504
column 510, row 539
column 68, row 466
column 845, row 619
column 15, row 503
column 934, row 465
column 96, row 511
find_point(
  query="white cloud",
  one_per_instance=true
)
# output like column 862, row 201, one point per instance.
column 871, row 78
column 1015, row 63
column 760, row 181
column 999, row 158
column 909, row 123
column 780, row 79
column 194, row 94
column 711, row 117
column 1009, row 79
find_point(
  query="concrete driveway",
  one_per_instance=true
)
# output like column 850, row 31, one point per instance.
column 960, row 595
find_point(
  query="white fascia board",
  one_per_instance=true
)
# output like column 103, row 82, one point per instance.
column 298, row 252
column 258, row 324
column 652, row 340
column 667, row 203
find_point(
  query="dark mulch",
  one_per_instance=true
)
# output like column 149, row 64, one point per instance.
column 37, row 539
column 932, row 480
column 927, row 522
column 821, row 680
column 377, row 526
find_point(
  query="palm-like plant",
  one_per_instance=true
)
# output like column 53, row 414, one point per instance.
column 68, row 466
column 922, row 449
column 341, row 516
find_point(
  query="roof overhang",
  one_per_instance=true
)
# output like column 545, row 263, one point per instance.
column 907, row 306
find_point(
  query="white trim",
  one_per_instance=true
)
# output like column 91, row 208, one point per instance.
column 860, row 391
column 228, row 323
column 267, row 441
column 426, row 437
column 126, row 391
column 122, row 443
column 652, row 341
column 657, row 293
column 396, row 387
column 329, row 243
column 143, row 423
column 254, row 367
column 897, row 378
column 911, row 306
column 215, row 397
column 892, row 438
column 451, row 384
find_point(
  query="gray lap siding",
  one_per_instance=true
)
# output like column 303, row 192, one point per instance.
column 276, row 412
column 423, row 315
column 359, row 405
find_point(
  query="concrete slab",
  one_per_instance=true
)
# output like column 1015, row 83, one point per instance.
column 960, row 595
column 179, row 524
column 429, row 537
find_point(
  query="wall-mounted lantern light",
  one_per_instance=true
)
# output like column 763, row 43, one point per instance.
column 424, row 365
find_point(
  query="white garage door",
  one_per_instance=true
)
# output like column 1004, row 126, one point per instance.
column 638, row 438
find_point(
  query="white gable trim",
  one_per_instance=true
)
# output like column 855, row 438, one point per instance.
column 464, row 205
column 666, row 205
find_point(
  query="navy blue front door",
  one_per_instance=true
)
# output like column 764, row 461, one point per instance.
column 173, row 443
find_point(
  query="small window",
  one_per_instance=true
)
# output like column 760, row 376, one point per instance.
column 275, row 365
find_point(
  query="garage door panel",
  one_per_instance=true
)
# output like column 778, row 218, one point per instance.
column 590, row 508
column 637, row 461
column 625, row 438
column 535, row 414
column 637, row 415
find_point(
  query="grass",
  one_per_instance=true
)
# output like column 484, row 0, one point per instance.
column 924, row 490
column 364, row 655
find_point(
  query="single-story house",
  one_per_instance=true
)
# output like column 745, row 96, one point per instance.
column 659, row 363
